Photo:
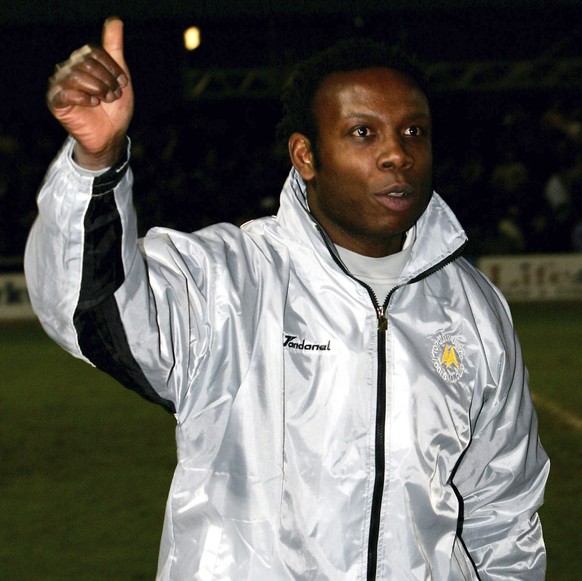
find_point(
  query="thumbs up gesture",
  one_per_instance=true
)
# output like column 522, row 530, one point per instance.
column 91, row 95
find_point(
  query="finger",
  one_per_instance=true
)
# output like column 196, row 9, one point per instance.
column 59, row 98
column 73, row 70
column 89, row 77
column 97, row 72
column 112, row 42
column 87, row 58
column 79, row 54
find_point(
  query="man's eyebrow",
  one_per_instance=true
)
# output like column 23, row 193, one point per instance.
column 372, row 115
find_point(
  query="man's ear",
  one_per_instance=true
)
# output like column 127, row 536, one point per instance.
column 301, row 156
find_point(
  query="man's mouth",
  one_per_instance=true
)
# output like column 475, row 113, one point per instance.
column 397, row 191
column 396, row 198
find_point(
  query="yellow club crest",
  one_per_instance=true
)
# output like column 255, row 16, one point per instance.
column 448, row 356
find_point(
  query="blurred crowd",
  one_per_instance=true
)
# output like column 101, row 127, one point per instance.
column 514, row 178
column 517, row 183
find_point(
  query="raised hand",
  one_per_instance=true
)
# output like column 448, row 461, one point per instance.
column 92, row 97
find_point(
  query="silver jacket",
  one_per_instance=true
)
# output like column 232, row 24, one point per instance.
column 320, row 435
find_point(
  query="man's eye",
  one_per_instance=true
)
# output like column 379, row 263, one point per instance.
column 361, row 132
column 415, row 131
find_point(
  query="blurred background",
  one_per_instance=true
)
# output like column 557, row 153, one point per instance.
column 507, row 82
column 507, row 78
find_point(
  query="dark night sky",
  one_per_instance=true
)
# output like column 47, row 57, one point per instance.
column 35, row 35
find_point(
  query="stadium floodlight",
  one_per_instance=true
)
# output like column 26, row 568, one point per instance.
column 192, row 38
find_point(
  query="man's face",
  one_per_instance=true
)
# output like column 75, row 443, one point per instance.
column 374, row 176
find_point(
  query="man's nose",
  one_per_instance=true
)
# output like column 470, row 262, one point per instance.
column 393, row 154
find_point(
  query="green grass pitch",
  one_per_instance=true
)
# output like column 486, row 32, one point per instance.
column 86, row 465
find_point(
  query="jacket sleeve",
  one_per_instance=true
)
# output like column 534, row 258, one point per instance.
column 89, row 284
column 502, row 475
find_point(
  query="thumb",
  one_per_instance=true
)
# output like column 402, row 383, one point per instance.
column 112, row 40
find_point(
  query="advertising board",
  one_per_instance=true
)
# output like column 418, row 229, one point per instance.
column 536, row 277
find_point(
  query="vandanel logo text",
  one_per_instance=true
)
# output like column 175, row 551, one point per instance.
column 303, row 345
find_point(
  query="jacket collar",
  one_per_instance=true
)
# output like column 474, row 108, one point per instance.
column 439, row 234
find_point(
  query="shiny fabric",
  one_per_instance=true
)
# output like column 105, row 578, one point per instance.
column 269, row 352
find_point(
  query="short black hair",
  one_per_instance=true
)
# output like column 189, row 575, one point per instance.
column 354, row 54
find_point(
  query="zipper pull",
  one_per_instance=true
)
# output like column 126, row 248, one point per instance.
column 382, row 320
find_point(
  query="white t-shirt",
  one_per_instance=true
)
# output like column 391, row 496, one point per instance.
column 381, row 274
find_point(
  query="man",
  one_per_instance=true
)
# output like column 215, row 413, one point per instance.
column 350, row 397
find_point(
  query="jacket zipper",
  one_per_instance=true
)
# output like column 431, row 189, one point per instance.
column 380, row 433
column 380, row 430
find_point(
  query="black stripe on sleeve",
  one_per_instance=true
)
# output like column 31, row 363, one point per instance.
column 103, row 341
column 103, row 271
column 97, row 319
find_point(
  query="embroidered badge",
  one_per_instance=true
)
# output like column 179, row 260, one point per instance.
column 448, row 355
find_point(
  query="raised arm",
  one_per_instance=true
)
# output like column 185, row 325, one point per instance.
column 91, row 95
column 87, row 280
